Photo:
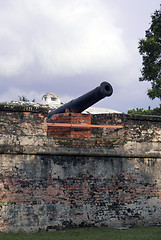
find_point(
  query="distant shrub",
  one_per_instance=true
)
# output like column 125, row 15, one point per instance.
column 141, row 111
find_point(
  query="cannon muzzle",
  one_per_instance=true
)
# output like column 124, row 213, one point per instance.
column 83, row 102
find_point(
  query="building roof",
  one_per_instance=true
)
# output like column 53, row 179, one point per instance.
column 96, row 110
column 50, row 95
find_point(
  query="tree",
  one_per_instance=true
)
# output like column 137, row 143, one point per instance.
column 24, row 99
column 150, row 49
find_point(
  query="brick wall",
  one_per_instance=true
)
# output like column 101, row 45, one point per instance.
column 22, row 120
column 70, row 125
column 42, row 192
column 52, row 182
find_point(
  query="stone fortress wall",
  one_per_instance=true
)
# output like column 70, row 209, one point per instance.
column 108, row 176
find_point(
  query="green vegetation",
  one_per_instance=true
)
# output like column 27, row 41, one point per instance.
column 136, row 233
column 150, row 49
column 141, row 111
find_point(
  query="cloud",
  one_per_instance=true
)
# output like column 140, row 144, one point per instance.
column 65, row 37
column 14, row 93
column 13, row 55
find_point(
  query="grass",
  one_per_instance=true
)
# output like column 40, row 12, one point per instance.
column 136, row 233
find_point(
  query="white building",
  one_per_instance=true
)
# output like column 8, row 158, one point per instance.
column 51, row 99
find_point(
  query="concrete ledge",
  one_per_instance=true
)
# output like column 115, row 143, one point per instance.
column 103, row 152
column 43, row 145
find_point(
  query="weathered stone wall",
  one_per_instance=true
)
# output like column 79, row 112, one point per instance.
column 42, row 192
column 48, row 182
column 22, row 120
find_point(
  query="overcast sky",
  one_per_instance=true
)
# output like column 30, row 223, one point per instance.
column 69, row 47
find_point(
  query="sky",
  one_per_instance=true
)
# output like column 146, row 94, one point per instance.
column 70, row 47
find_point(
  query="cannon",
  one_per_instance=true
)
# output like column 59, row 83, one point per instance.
column 81, row 103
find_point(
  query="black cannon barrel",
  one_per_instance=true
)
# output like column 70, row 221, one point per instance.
column 83, row 102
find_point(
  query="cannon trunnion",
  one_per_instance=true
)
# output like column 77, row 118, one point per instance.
column 83, row 102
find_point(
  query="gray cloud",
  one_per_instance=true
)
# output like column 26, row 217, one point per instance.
column 68, row 47
column 67, row 38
